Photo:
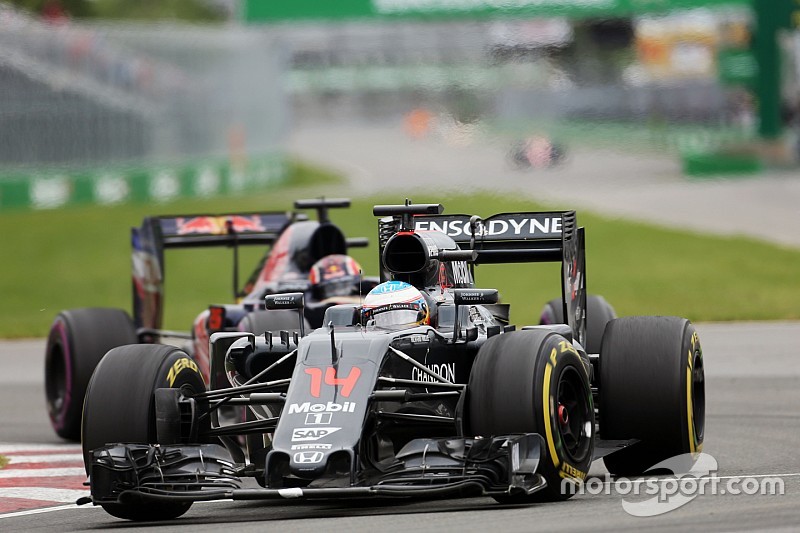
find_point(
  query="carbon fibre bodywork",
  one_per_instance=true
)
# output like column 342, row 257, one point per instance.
column 354, row 410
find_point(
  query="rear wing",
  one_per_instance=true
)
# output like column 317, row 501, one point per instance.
column 519, row 237
column 221, row 230
column 507, row 237
column 156, row 234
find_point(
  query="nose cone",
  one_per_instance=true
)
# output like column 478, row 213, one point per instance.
column 308, row 464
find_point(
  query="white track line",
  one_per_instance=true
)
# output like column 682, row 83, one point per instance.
column 41, row 472
column 689, row 476
column 49, row 458
column 46, row 510
column 44, row 494
column 7, row 448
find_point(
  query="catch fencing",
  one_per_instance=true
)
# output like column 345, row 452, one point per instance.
column 116, row 112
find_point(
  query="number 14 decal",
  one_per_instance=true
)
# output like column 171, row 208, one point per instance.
column 331, row 378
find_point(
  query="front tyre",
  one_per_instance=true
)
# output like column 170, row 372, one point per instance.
column 120, row 407
column 652, row 388
column 78, row 339
column 533, row 381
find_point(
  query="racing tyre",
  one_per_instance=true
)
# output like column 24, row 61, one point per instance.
column 533, row 381
column 272, row 320
column 120, row 407
column 652, row 388
column 598, row 313
column 78, row 339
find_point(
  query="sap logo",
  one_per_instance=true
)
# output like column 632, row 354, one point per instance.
column 446, row 370
column 312, row 446
column 308, row 457
column 318, row 419
column 306, row 434
column 309, row 434
column 330, row 407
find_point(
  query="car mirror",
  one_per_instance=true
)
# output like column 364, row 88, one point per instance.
column 288, row 300
column 475, row 296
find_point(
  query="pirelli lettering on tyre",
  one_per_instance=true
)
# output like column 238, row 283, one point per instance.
column 548, row 407
column 177, row 366
column 570, row 472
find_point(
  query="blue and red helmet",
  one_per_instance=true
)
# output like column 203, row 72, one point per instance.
column 395, row 304
column 334, row 275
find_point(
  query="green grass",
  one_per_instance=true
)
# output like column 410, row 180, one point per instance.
column 3, row 461
column 54, row 260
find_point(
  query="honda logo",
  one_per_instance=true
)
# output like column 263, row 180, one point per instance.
column 308, row 457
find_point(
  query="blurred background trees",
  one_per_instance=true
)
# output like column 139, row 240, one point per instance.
column 188, row 10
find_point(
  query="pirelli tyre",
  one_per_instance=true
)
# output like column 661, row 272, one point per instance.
column 533, row 381
column 598, row 313
column 652, row 388
column 78, row 339
column 120, row 407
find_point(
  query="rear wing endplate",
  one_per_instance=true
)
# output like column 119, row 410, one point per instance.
column 524, row 237
column 156, row 234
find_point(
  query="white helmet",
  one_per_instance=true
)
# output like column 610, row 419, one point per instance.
column 395, row 304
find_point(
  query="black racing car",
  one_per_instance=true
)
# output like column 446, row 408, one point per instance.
column 295, row 245
column 423, row 390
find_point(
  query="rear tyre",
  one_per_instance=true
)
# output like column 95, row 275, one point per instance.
column 533, row 381
column 120, row 407
column 78, row 339
column 652, row 388
column 598, row 313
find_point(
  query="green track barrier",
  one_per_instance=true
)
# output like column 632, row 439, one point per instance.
column 49, row 189
column 712, row 164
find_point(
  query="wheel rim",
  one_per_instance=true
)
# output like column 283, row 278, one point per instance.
column 698, row 397
column 56, row 382
column 573, row 415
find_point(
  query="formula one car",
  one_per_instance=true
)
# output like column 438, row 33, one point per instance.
column 302, row 255
column 423, row 390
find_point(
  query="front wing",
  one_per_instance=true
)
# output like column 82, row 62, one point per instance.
column 425, row 468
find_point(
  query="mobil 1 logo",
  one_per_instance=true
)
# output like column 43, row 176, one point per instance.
column 318, row 419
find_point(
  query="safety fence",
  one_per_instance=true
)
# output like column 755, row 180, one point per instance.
column 147, row 101
column 110, row 186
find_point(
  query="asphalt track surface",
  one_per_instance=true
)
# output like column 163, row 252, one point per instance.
column 752, row 429
column 752, row 369
column 625, row 183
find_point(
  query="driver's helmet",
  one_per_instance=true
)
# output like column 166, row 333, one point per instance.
column 334, row 275
column 395, row 304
